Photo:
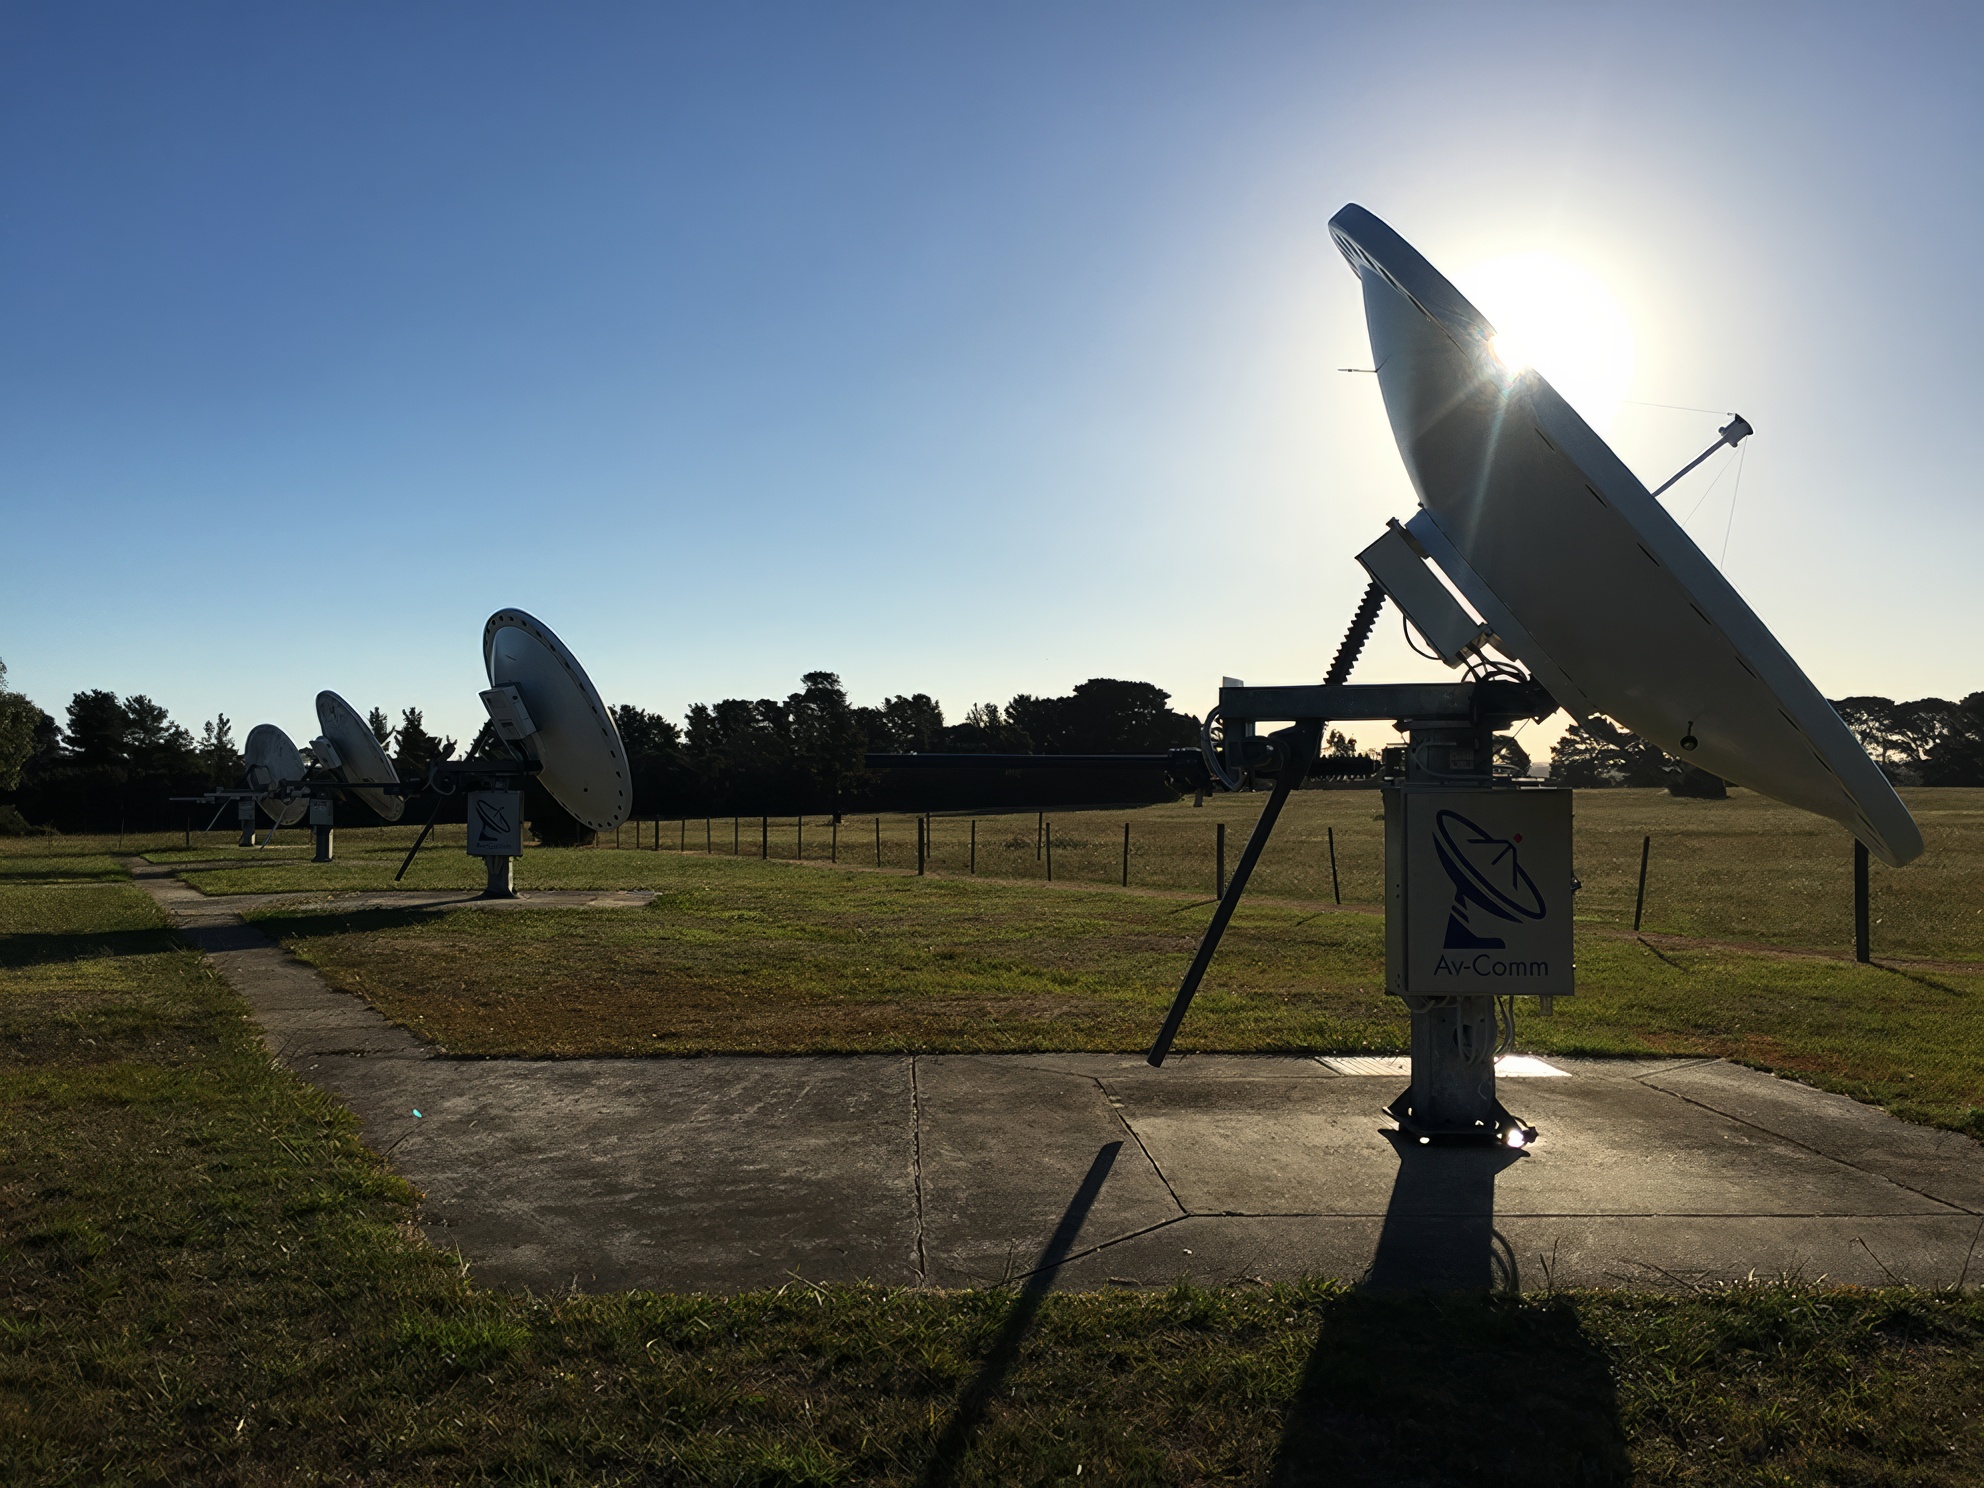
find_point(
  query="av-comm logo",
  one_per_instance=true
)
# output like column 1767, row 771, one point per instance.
column 1484, row 892
column 1488, row 879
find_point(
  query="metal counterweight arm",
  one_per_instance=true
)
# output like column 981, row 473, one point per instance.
column 1301, row 744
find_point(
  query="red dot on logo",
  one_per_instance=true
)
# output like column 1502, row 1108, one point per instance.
column 1516, row 838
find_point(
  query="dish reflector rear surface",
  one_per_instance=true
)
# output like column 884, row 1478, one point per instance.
column 274, row 760
column 585, row 765
column 362, row 759
column 1586, row 579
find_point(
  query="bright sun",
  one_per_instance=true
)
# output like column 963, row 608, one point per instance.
column 1560, row 319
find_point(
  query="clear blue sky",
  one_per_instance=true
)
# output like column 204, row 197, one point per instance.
column 969, row 349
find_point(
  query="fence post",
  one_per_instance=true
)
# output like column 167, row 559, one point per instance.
column 833, row 842
column 736, row 838
column 919, row 846
column 974, row 845
column 1639, row 899
column 1219, row 859
column 764, row 836
column 1336, row 889
column 1863, row 950
column 709, row 841
column 1047, row 828
column 1126, row 855
column 878, row 842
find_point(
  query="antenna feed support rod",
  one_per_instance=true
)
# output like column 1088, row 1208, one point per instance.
column 1732, row 434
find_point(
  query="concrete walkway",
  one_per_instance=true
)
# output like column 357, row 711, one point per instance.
column 960, row 1170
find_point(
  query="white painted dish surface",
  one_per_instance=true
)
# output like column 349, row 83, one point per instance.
column 1583, row 576
column 585, row 764
column 362, row 760
column 273, row 760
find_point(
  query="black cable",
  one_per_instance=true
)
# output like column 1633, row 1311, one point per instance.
column 1405, row 626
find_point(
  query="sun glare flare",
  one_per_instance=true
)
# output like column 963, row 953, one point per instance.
column 1552, row 315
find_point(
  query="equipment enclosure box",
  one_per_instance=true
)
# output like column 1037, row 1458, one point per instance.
column 496, row 824
column 1477, row 891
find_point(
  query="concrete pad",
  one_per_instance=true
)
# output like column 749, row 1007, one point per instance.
column 985, row 1216
column 953, row 1170
column 1937, row 1163
column 299, row 1013
column 678, row 1174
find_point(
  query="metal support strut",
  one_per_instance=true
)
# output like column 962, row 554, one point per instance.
column 1297, row 748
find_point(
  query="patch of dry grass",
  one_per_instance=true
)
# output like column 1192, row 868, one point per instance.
column 771, row 958
column 1741, row 870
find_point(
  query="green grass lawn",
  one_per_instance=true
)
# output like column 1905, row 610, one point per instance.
column 752, row 957
column 1743, row 870
column 205, row 1278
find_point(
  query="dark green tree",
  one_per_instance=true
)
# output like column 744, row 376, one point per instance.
column 1957, row 758
column 20, row 722
column 828, row 740
column 416, row 749
column 219, row 756
column 1602, row 753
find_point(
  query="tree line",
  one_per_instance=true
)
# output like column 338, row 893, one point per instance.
column 116, row 763
column 1930, row 741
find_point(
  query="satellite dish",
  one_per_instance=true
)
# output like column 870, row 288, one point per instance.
column 1583, row 577
column 542, row 702
column 275, row 763
column 361, row 760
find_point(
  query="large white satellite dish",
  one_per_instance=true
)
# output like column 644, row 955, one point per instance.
column 361, row 761
column 542, row 702
column 1583, row 577
column 275, row 768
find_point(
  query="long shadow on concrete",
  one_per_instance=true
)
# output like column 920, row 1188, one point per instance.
column 1005, row 1350
column 1435, row 1372
column 1439, row 1233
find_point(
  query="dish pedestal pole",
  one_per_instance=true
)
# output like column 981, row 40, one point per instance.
column 1478, row 893
column 322, row 828
column 502, row 882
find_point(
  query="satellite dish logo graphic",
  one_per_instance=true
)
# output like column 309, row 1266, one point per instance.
column 1488, row 877
column 492, row 818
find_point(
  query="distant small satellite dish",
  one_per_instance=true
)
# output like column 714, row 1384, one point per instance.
column 274, row 762
column 1582, row 576
column 361, row 760
column 542, row 703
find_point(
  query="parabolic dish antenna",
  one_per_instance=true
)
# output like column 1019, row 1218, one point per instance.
column 564, row 726
column 273, row 762
column 1582, row 576
column 362, row 760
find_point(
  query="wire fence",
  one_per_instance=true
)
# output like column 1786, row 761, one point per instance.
column 1134, row 849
